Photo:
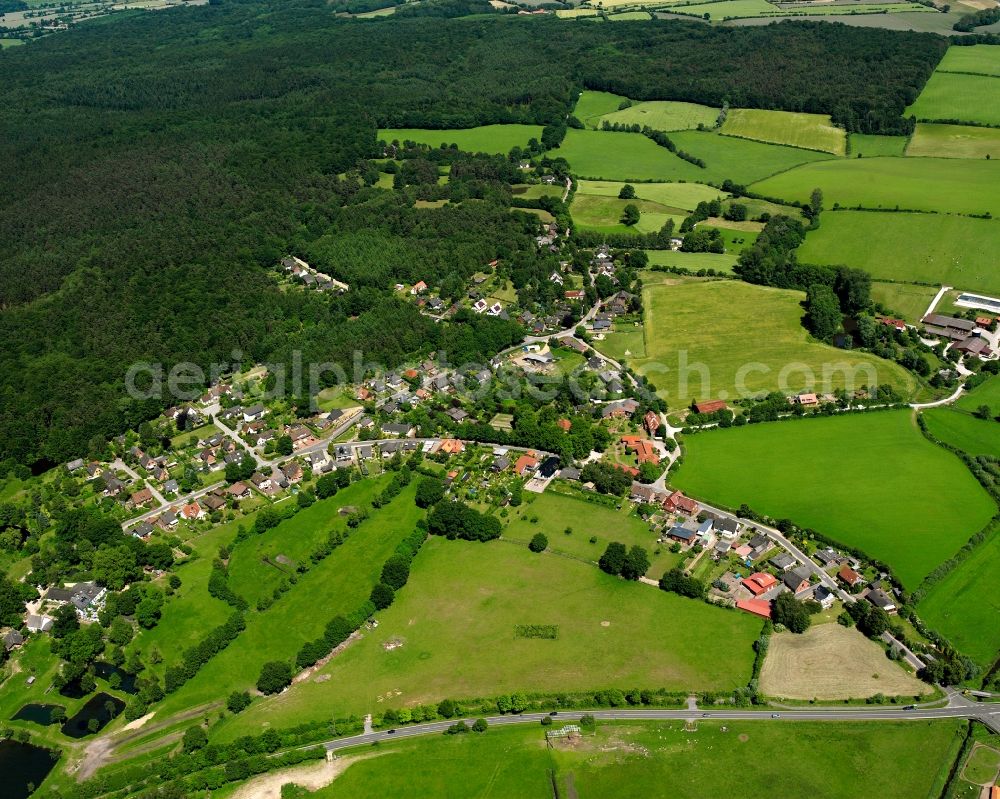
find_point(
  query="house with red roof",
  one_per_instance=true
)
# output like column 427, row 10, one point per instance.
column 758, row 607
column 643, row 449
column 418, row 287
column 564, row 424
column 678, row 503
column 526, row 463
column 710, row 406
column 760, row 582
column 192, row 511
column 849, row 576
column 651, row 422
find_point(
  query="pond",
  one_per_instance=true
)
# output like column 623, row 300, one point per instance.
column 40, row 714
column 126, row 679
column 102, row 707
column 23, row 767
column 73, row 690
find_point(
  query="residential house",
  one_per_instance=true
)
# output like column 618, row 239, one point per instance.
column 556, row 278
column 74, row 466
column 451, row 446
column 828, row 557
column 973, row 345
column 797, row 580
column 682, row 534
column 365, row 452
column 548, row 467
column 213, row 502
column 849, row 576
column 38, row 624
column 619, row 409
column 400, row 430
column 678, row 503
column 575, row 294
column 239, row 490
column 143, row 530
column 457, row 415
column 525, row 464
column 11, row 640
column 113, row 486
column 343, row 453
column 727, row 528
column 292, row 472
column 140, row 498
column 824, row 596
column 319, row 461
column 253, row 413
column 807, row 400
column 782, row 561
column 570, row 473
column 262, row 481
column 643, row 448
column 501, row 462
column 651, row 422
column 418, row 288
column 192, row 512
column 167, row 520
column 480, row 305
column 758, row 607
column 721, row 549
column 710, row 406
column 881, row 599
column 760, row 583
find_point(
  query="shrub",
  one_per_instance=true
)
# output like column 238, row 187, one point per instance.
column 538, row 542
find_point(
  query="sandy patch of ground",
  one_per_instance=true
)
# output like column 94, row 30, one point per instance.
column 311, row 777
column 829, row 661
column 134, row 725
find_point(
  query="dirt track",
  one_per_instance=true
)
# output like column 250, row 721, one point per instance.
column 832, row 662
column 311, row 777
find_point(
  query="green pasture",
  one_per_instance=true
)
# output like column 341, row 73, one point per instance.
column 692, row 260
column 963, row 430
column 455, row 620
column 954, row 141
column 981, row 59
column 630, row 16
column 337, row 584
column 728, row 9
column 809, row 131
column 624, row 343
column 756, row 208
column 576, row 13
column 949, row 96
column 484, row 139
column 665, row 115
column 905, row 300
column 534, row 191
column 595, row 212
column 944, row 185
column 987, row 393
column 826, row 760
column 591, row 106
column 982, row 766
column 869, row 145
column 964, row 605
column 557, row 512
column 609, row 155
column 678, row 197
column 692, row 329
column 924, row 248
column 870, row 481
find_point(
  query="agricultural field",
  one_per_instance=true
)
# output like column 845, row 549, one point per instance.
column 633, row 758
column 908, row 301
column 337, row 584
column 770, row 333
column 537, row 190
column 890, row 516
column 664, row 115
column 555, row 513
column 964, row 605
column 950, row 96
column 576, row 13
column 830, row 661
column 871, row 146
column 963, row 430
column 592, row 106
column 924, row 248
column 630, row 16
column 692, row 260
column 728, row 9
column 954, row 141
column 979, row 59
column 610, row 632
column 809, row 131
column 484, row 139
column 677, row 196
column 944, row 185
column 602, row 213
column 608, row 155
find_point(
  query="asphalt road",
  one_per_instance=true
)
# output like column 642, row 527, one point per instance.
column 988, row 714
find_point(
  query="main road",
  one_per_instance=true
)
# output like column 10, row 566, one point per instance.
column 986, row 713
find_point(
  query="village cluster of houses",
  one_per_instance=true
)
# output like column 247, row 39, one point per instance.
column 966, row 336
column 312, row 278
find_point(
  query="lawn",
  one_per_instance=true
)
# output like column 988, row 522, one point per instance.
column 484, row 139
column 925, row 248
column 557, row 512
column 456, row 618
column 905, row 300
column 677, row 196
column 692, row 260
column 870, row 481
column 949, row 96
column 691, row 330
column 981, row 59
column 664, row 115
column 954, row 141
column 741, row 160
column 982, row 766
column 945, row 185
column 964, row 606
column 869, row 146
column 626, row 343
column 601, row 213
column 337, row 584
column 810, row 131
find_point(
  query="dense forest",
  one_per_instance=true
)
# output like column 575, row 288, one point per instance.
column 157, row 168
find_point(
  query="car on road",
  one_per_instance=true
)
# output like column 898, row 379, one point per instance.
column 390, row 732
column 554, row 713
column 910, row 707
column 775, row 715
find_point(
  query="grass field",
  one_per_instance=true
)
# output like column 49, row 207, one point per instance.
column 926, row 248
column 648, row 759
column 741, row 160
column 954, row 141
column 728, row 9
column 963, row 430
column 981, row 59
column 982, row 766
column 536, row 190
column 664, row 115
column 964, row 606
column 811, row 131
column 830, row 661
column 869, row 146
column 678, row 196
column 484, row 139
column 611, row 633
column 924, row 184
column 591, row 106
column 903, row 299
column 692, row 260
column 556, row 512
column 889, row 514
column 969, row 98
column 575, row 13
column 595, row 212
column 700, row 321
column 630, row 16
column 337, row 584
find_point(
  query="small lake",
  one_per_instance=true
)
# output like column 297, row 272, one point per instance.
column 72, row 690
column 23, row 767
column 102, row 707
column 40, row 714
column 126, row 679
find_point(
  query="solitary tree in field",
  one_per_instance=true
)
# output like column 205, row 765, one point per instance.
column 538, row 542
column 630, row 216
column 984, row 412
column 627, row 192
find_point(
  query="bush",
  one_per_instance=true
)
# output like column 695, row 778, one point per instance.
column 382, row 596
column 275, row 676
column 538, row 543
column 238, row 701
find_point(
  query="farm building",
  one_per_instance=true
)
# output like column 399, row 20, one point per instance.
column 760, row 583
column 759, row 607
column 948, row 326
column 710, row 406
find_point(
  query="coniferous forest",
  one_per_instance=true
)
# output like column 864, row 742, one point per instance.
column 156, row 169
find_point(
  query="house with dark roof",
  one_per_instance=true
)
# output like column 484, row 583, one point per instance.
column 948, row 326
column 881, row 599
column 782, row 561
column 796, row 580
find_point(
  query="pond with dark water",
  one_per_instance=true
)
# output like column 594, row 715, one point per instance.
column 38, row 713
column 102, row 707
column 23, row 767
